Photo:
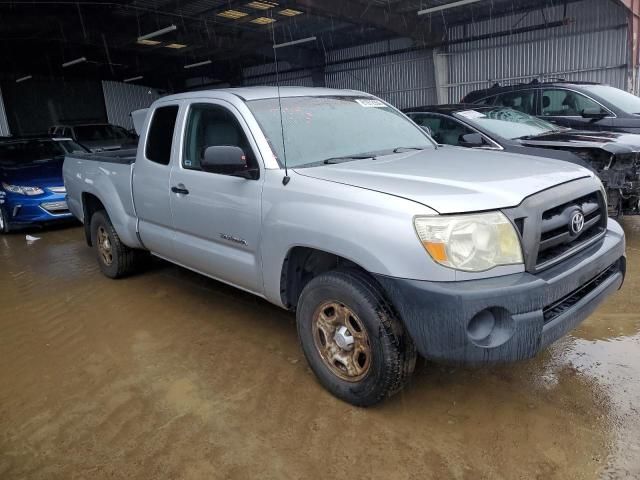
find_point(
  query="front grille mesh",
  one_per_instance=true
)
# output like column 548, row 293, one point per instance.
column 558, row 308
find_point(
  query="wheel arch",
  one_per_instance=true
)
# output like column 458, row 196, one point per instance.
column 303, row 263
column 90, row 205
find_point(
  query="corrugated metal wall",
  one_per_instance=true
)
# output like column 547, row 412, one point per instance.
column 121, row 99
column 4, row 123
column 266, row 75
column 594, row 47
column 403, row 79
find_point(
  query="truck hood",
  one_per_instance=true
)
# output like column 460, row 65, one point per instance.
column 33, row 174
column 451, row 179
column 612, row 142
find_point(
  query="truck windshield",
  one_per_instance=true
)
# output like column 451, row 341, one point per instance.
column 332, row 127
column 506, row 122
column 88, row 133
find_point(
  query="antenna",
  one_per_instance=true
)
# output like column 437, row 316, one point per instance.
column 286, row 178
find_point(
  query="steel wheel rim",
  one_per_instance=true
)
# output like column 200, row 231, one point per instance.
column 104, row 246
column 341, row 341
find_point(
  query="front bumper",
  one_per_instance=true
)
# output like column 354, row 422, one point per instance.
column 23, row 210
column 511, row 317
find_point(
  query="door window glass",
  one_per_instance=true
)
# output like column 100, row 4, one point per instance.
column 486, row 101
column 160, row 136
column 209, row 126
column 444, row 130
column 522, row 100
column 565, row 103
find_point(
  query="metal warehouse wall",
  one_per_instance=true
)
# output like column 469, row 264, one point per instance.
column 4, row 124
column 265, row 75
column 121, row 99
column 403, row 79
column 592, row 48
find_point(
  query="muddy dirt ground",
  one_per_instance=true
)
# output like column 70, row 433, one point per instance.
column 171, row 375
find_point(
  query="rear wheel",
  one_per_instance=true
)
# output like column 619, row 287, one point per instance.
column 351, row 338
column 114, row 257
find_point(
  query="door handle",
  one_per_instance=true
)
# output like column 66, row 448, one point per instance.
column 181, row 191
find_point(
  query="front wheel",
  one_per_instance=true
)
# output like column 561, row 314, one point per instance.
column 351, row 338
column 114, row 257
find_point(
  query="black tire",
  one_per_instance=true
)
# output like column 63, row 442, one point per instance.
column 392, row 352
column 123, row 258
column 4, row 221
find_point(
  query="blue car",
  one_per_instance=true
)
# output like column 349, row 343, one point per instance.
column 32, row 191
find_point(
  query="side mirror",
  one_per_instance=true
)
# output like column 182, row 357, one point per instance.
column 593, row 112
column 226, row 159
column 471, row 140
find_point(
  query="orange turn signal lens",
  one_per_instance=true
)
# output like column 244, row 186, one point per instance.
column 437, row 251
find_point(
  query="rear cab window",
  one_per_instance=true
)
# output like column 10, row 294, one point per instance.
column 160, row 136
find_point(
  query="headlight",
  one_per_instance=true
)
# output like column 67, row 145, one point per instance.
column 473, row 243
column 22, row 190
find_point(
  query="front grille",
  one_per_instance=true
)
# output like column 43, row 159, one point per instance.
column 557, row 240
column 56, row 208
column 544, row 222
column 556, row 309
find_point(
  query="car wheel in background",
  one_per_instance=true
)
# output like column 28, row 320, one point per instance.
column 4, row 221
column 115, row 259
column 353, row 341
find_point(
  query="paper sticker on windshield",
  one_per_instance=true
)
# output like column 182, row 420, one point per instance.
column 471, row 114
column 370, row 103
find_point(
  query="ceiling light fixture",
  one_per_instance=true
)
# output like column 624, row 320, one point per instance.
column 262, row 20
column 232, row 14
column 447, row 6
column 290, row 12
column 262, row 5
column 176, row 46
column 157, row 33
column 295, row 42
column 74, row 62
column 146, row 41
column 133, row 79
column 22, row 79
column 199, row 64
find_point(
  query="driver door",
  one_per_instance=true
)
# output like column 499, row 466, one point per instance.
column 217, row 216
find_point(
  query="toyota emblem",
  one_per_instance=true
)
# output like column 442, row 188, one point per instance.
column 577, row 222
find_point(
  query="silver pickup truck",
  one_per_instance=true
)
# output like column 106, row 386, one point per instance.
column 384, row 244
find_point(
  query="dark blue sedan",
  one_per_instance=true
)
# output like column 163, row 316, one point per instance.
column 31, row 188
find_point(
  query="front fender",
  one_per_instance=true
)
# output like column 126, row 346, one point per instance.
column 371, row 229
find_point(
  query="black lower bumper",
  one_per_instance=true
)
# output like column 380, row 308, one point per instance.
column 510, row 317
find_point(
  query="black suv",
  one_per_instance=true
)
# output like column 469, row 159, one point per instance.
column 579, row 105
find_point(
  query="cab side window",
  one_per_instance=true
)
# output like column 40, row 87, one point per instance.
column 160, row 136
column 212, row 125
column 566, row 103
column 522, row 100
column 444, row 130
column 486, row 101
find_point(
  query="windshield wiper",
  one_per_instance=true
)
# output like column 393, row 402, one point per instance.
column 336, row 160
column 403, row 149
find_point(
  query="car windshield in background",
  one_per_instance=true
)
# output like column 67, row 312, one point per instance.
column 92, row 133
column 18, row 152
column 618, row 98
column 506, row 122
column 321, row 128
